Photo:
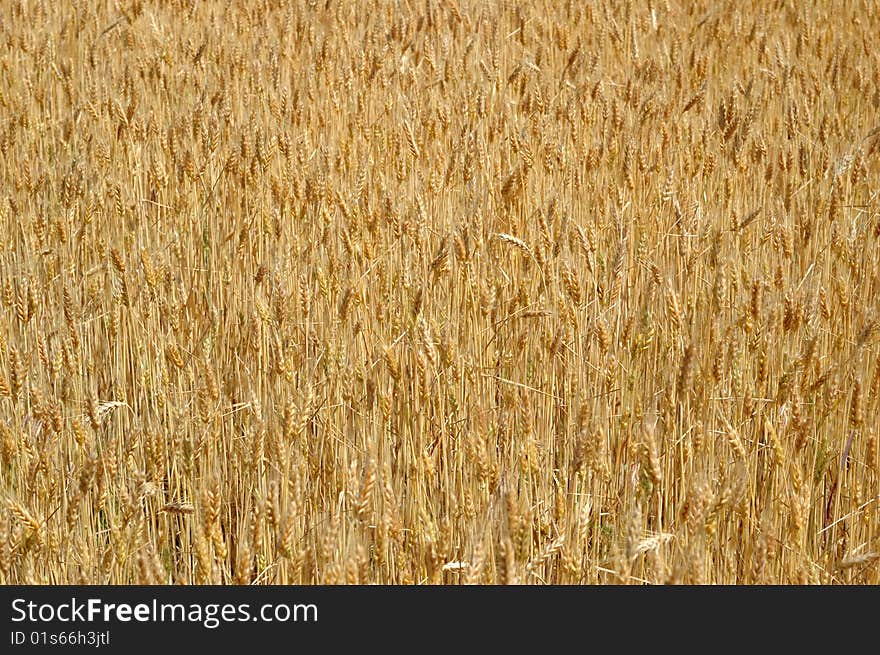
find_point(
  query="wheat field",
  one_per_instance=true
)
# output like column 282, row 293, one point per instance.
column 439, row 292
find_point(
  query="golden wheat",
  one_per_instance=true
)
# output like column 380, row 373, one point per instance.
column 439, row 292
